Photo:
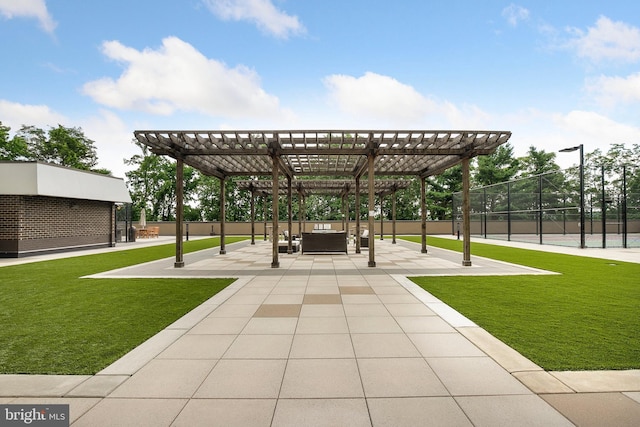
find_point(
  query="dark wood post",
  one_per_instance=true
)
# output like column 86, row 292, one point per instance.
column 253, row 217
column 358, row 215
column 179, row 212
column 372, row 211
column 290, row 215
column 466, row 217
column 274, row 212
column 423, row 212
column 223, row 214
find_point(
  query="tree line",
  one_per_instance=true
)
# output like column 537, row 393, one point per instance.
column 152, row 179
column 64, row 146
column 152, row 185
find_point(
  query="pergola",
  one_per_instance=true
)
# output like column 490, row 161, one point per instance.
column 345, row 153
column 333, row 187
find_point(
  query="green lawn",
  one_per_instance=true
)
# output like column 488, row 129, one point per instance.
column 587, row 318
column 54, row 322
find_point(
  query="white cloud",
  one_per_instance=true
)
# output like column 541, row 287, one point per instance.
column 594, row 127
column 112, row 139
column 177, row 77
column 610, row 91
column 261, row 12
column 607, row 41
column 378, row 100
column 15, row 115
column 553, row 131
column 515, row 14
column 29, row 9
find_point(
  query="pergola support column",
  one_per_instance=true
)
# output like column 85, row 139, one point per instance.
column 423, row 213
column 346, row 214
column 358, row 215
column 372, row 210
column 265, row 201
column 274, row 212
column 290, row 216
column 304, row 215
column 179, row 263
column 381, row 217
column 299, row 213
column 393, row 215
column 223, row 249
column 466, row 208
column 253, row 217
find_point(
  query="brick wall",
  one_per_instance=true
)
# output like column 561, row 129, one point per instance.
column 36, row 223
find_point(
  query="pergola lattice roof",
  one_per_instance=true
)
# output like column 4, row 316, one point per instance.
column 330, row 187
column 322, row 152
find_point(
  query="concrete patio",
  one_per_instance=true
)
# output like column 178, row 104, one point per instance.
column 325, row 340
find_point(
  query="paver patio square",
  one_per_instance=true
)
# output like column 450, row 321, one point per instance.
column 399, row 377
column 322, row 310
column 470, row 376
column 243, row 379
column 360, row 299
column 219, row 326
column 322, row 299
column 260, row 347
column 289, row 290
column 284, row 299
column 322, row 290
column 523, row 411
column 418, row 309
column 596, row 409
column 198, row 347
column 235, row 310
column 227, row 412
column 383, row 345
column 278, row 310
column 271, row 325
column 321, row 378
column 445, row 345
column 246, row 299
column 324, row 325
column 415, row 411
column 132, row 412
column 398, row 299
column 371, row 310
column 356, row 290
column 321, row 413
column 424, row 324
column 318, row 346
column 166, row 379
column 373, row 325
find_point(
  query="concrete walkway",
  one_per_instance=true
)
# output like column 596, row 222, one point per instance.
column 325, row 340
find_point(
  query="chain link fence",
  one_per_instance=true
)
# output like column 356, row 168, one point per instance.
column 545, row 209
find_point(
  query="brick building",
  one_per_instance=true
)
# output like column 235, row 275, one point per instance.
column 48, row 208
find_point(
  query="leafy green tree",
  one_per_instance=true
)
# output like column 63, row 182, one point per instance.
column 440, row 194
column 12, row 148
column 65, row 146
column 498, row 167
column 537, row 162
column 152, row 184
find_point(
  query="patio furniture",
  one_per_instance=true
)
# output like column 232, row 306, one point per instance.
column 324, row 242
column 364, row 239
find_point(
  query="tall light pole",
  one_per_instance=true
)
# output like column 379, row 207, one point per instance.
column 568, row 150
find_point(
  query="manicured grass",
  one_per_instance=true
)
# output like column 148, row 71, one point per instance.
column 587, row 318
column 54, row 322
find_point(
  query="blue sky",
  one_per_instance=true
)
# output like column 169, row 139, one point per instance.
column 556, row 74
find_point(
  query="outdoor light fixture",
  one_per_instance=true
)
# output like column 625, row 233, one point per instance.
column 569, row 150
